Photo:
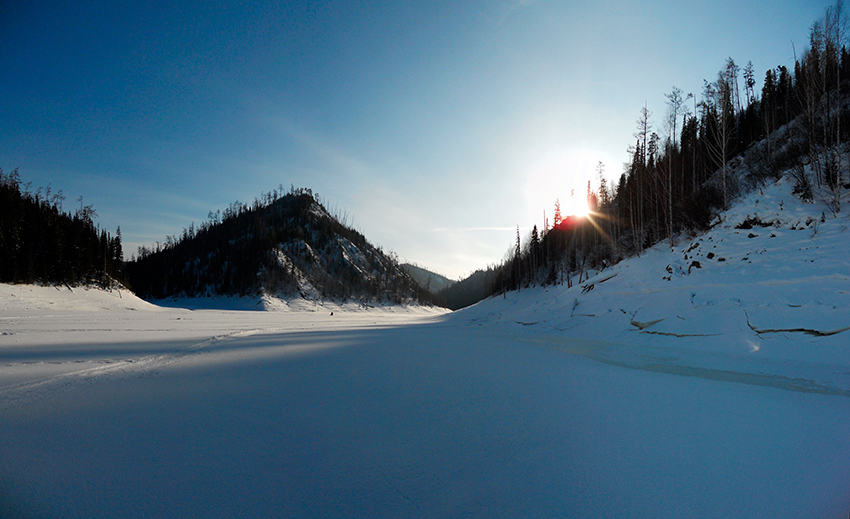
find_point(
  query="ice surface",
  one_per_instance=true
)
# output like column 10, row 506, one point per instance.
column 719, row 391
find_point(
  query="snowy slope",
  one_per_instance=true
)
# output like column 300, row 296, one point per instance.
column 765, row 304
column 26, row 298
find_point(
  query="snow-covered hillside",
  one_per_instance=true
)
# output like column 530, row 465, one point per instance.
column 711, row 381
column 762, row 298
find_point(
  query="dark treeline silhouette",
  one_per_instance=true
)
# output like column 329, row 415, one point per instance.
column 732, row 141
column 282, row 243
column 39, row 242
column 470, row 290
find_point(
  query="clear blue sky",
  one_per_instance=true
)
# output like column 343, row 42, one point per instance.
column 437, row 126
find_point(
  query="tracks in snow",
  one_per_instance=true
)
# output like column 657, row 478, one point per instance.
column 50, row 381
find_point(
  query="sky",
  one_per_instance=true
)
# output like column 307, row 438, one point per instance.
column 437, row 128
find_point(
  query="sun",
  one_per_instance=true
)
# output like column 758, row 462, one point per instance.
column 576, row 207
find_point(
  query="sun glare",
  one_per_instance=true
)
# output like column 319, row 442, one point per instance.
column 577, row 207
column 565, row 173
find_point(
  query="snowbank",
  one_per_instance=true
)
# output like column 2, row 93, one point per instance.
column 27, row 298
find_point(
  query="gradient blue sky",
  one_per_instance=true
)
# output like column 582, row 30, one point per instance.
column 437, row 126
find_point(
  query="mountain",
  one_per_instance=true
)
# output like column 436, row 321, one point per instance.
column 427, row 279
column 469, row 290
column 286, row 245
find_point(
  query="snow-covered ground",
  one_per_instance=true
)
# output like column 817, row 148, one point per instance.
column 712, row 391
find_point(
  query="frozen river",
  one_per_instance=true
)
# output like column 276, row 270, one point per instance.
column 172, row 413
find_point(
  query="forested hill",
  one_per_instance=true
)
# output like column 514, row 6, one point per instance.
column 285, row 245
column 682, row 176
column 426, row 279
column 39, row 242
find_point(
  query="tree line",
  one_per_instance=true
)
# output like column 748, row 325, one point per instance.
column 682, row 173
column 42, row 242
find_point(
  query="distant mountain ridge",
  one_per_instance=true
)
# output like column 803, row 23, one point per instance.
column 289, row 245
column 426, row 279
column 468, row 291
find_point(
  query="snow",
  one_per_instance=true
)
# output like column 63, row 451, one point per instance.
column 719, row 391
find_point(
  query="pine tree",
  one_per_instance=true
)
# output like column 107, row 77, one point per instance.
column 768, row 111
column 557, row 218
column 534, row 249
column 517, row 259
